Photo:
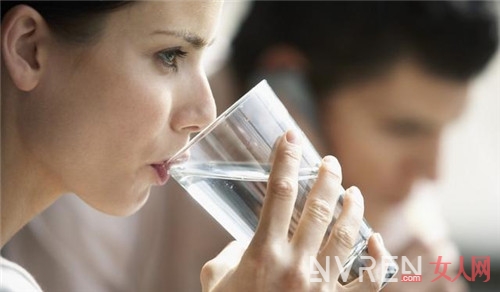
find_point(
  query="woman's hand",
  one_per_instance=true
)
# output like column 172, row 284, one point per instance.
column 272, row 262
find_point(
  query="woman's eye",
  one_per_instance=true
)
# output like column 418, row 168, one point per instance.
column 169, row 57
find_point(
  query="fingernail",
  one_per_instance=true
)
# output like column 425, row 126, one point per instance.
column 333, row 165
column 355, row 194
column 292, row 137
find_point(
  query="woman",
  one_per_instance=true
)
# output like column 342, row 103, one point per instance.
column 97, row 96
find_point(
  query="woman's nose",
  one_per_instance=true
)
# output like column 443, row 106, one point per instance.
column 195, row 108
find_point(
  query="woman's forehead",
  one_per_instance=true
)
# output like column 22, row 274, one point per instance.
column 145, row 17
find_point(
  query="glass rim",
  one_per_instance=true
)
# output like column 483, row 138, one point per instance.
column 203, row 133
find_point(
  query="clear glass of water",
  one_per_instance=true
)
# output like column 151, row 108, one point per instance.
column 225, row 168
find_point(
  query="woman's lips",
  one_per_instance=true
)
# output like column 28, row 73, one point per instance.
column 161, row 171
column 162, row 167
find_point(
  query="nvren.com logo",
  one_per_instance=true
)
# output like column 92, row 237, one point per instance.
column 480, row 267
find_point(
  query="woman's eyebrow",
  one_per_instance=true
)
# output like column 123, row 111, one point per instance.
column 194, row 39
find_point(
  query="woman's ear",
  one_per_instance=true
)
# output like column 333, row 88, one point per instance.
column 24, row 44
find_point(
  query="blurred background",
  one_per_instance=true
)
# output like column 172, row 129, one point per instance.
column 469, row 183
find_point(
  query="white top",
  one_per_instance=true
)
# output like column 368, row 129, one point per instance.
column 13, row 278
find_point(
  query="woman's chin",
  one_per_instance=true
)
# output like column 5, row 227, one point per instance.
column 124, row 204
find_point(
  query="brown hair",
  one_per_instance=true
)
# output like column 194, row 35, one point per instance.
column 71, row 21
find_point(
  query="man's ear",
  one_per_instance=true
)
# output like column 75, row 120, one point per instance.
column 24, row 41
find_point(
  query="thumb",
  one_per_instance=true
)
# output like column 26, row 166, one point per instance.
column 225, row 262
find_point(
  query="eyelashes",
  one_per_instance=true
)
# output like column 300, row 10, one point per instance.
column 169, row 58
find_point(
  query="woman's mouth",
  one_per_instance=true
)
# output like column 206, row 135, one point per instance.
column 161, row 172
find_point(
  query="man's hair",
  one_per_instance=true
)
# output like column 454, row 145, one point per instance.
column 347, row 42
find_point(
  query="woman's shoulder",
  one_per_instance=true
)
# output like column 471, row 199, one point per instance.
column 15, row 278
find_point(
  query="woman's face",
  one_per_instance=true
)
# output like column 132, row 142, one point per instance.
column 107, row 115
column 386, row 132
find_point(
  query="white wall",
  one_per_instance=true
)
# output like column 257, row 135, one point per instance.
column 470, row 186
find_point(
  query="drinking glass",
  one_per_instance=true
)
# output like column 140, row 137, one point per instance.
column 226, row 166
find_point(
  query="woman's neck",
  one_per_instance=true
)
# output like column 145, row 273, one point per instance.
column 26, row 188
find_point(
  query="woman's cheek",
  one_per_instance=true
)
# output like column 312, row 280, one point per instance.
column 147, row 112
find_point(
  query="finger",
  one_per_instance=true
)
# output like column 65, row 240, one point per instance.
column 319, row 208
column 226, row 261
column 373, row 276
column 345, row 231
column 272, row 156
column 281, row 190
